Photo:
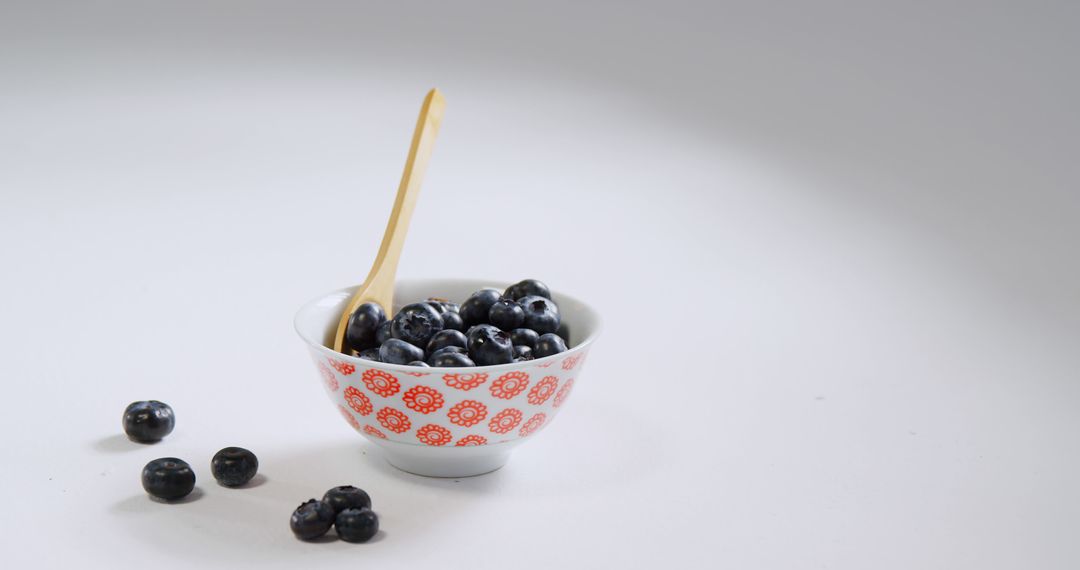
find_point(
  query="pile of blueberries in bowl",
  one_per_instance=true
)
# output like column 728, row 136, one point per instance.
column 491, row 327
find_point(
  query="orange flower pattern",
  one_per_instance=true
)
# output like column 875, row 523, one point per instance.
column 423, row 399
column 349, row 417
column 393, row 420
column 358, row 401
column 534, row 423
column 471, row 440
column 374, row 431
column 564, row 393
column 467, row 413
column 434, row 435
column 382, row 383
column 433, row 414
column 343, row 367
column 509, row 385
column 328, row 377
column 465, row 381
column 505, row 420
column 543, row 390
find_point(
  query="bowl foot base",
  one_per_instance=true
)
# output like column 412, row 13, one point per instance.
column 420, row 463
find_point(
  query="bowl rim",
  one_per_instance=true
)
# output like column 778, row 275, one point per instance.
column 331, row 353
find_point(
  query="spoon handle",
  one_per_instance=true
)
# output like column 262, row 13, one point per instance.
column 379, row 285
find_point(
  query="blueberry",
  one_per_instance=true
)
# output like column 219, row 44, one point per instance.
column 442, row 306
column 356, row 525
column 506, row 314
column 234, row 466
column 445, row 338
column 419, row 363
column 452, row 320
column 382, row 334
column 522, row 353
column 438, row 303
column 448, row 359
column 474, row 311
column 148, row 422
column 541, row 315
column 549, row 344
column 446, row 350
column 454, row 349
column 397, row 351
column 524, row 337
column 168, row 478
column 312, row 519
column 415, row 324
column 488, row 346
column 347, row 497
column 370, row 354
column 365, row 320
column 526, row 288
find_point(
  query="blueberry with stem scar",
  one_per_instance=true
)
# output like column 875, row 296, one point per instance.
column 416, row 323
column 168, row 478
column 347, row 497
column 489, row 346
column 234, row 466
column 506, row 314
column 312, row 519
column 541, row 315
column 148, row 421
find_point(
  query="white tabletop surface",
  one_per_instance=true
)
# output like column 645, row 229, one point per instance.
column 835, row 247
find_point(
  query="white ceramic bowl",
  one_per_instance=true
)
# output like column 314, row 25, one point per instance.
column 446, row 422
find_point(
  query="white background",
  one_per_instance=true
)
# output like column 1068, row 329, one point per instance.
column 834, row 244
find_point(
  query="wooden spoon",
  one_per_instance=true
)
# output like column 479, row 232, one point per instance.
column 379, row 285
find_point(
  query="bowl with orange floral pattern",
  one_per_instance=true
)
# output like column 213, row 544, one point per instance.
column 446, row 422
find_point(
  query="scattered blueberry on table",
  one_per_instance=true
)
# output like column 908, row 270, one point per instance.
column 234, row 466
column 312, row 519
column 356, row 525
column 148, row 421
column 491, row 327
column 168, row 478
column 347, row 497
column 346, row 508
